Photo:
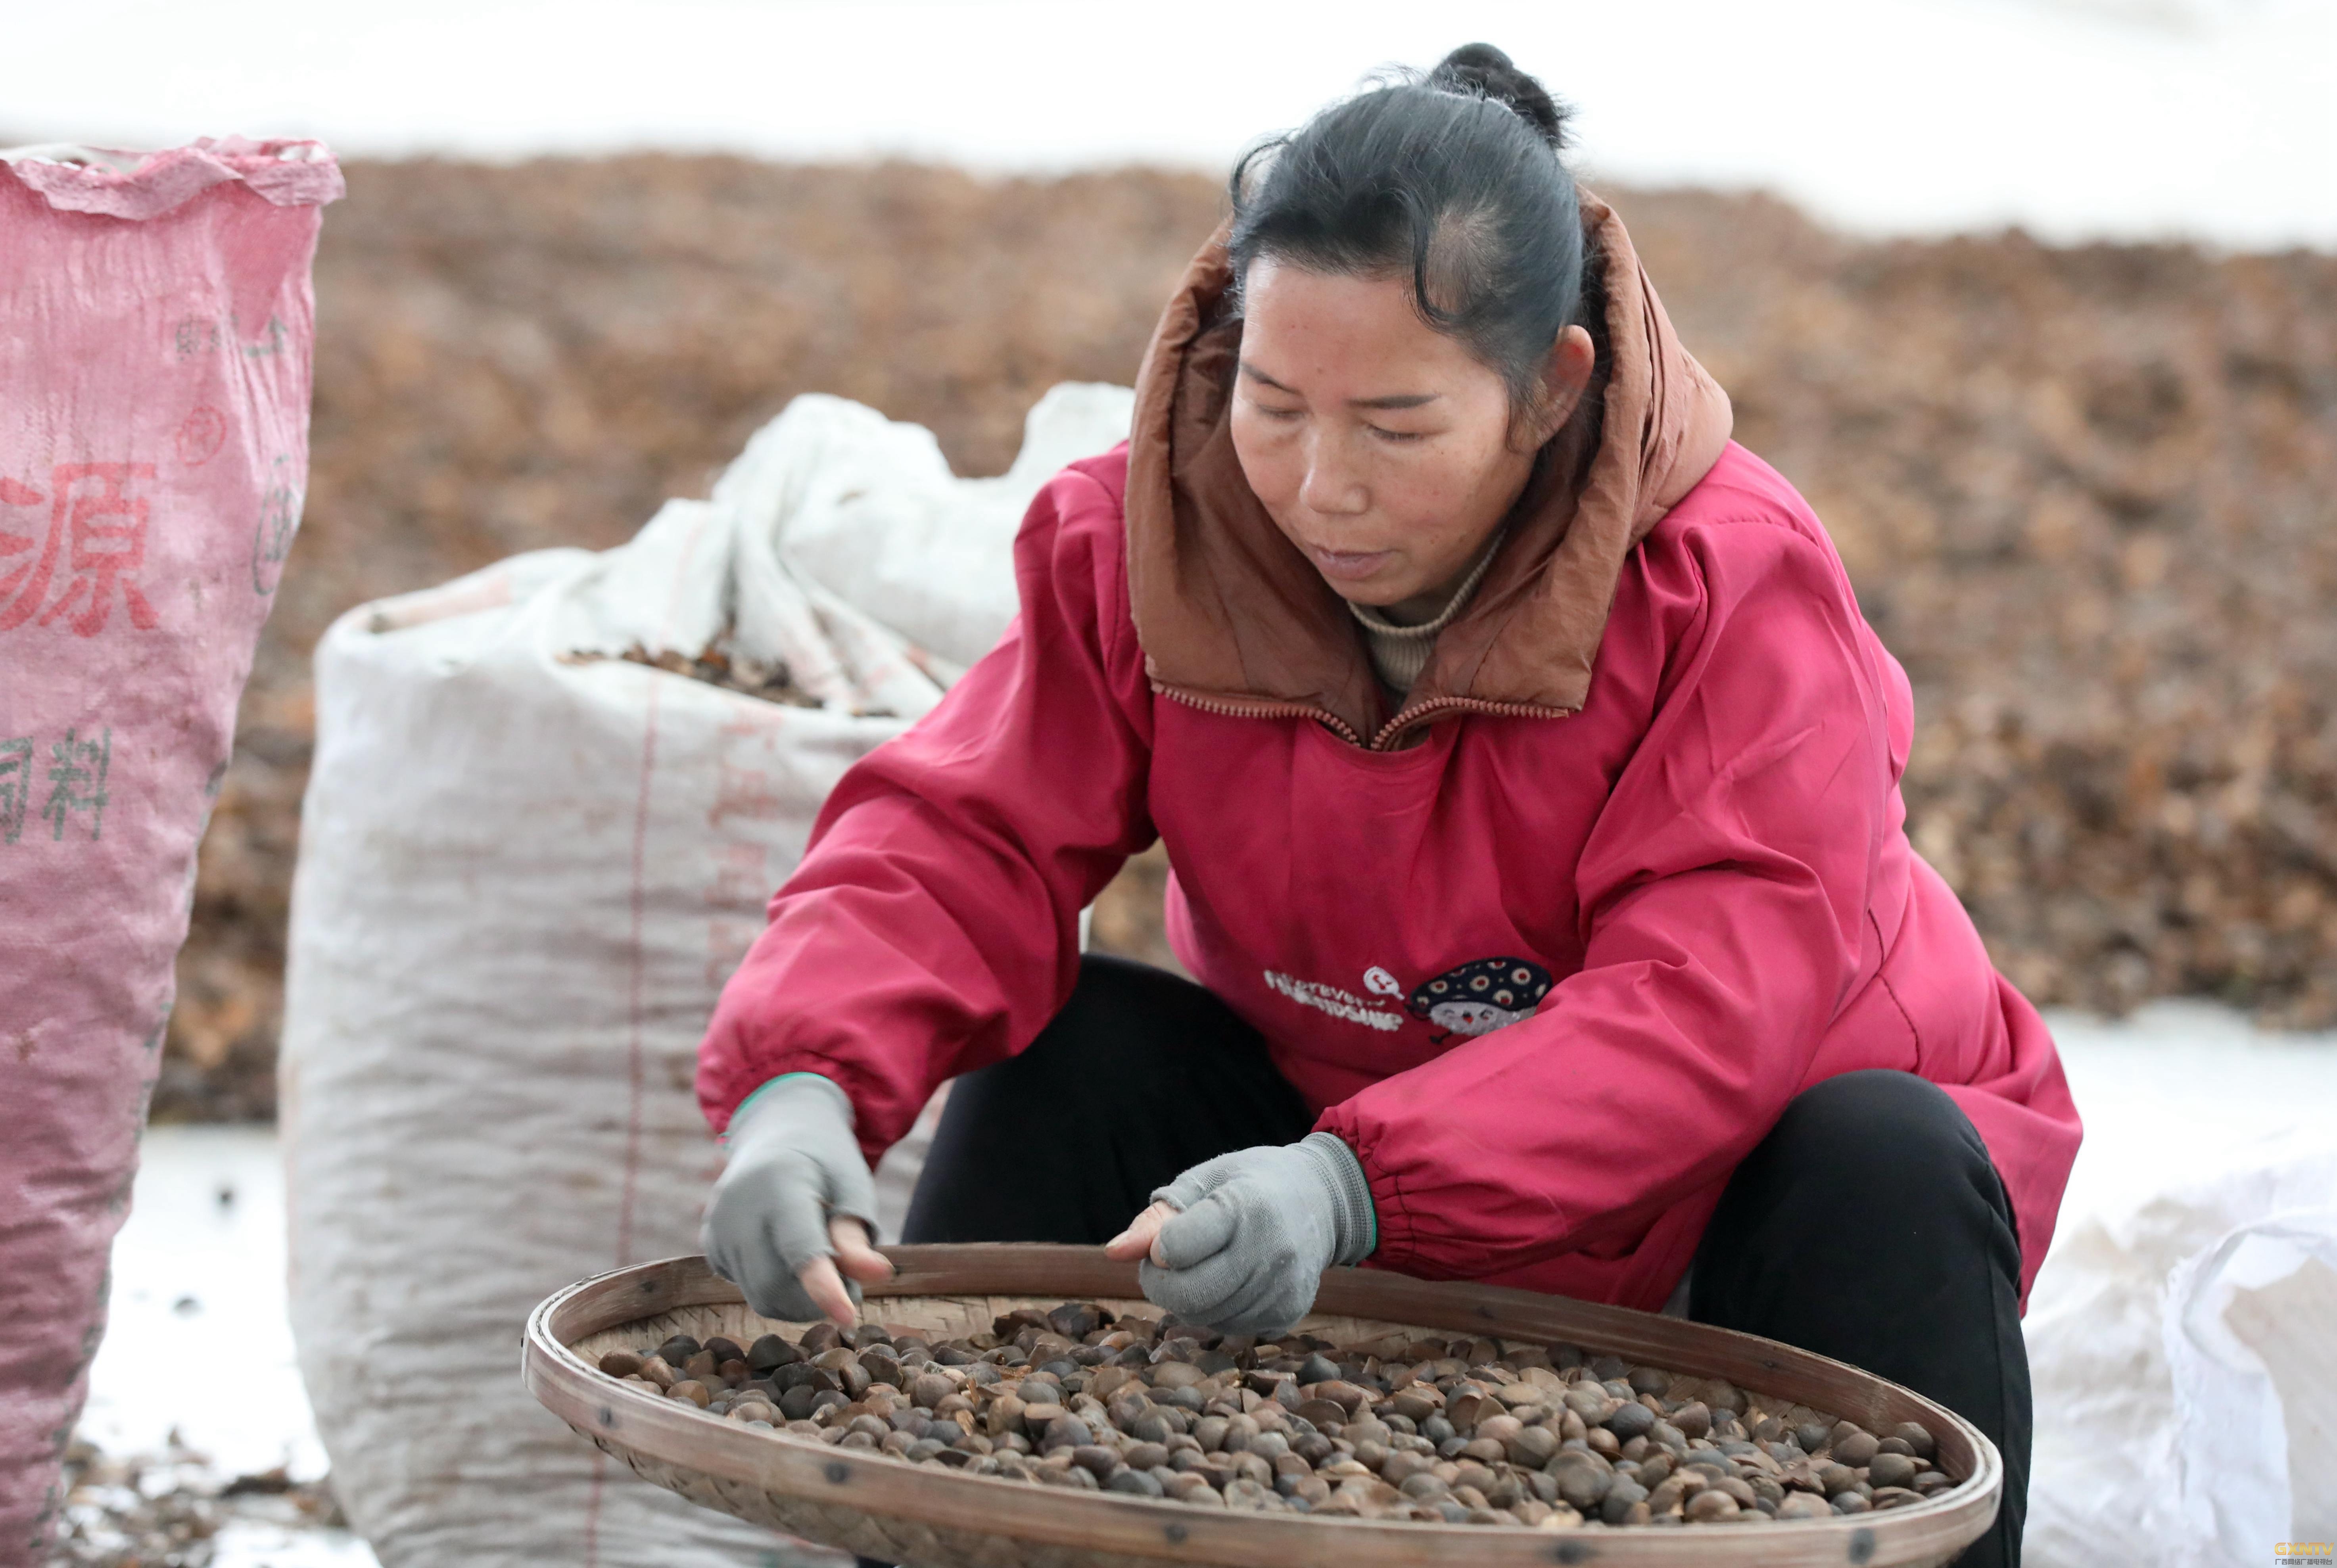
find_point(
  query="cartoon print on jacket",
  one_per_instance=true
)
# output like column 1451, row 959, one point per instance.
column 1480, row 997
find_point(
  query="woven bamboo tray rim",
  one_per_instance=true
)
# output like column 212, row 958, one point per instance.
column 882, row 1507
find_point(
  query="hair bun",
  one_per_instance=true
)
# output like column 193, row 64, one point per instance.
column 1482, row 71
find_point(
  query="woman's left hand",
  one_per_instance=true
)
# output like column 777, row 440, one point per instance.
column 1239, row 1244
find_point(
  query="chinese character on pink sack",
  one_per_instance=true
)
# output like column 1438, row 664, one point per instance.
column 14, row 494
column 100, row 531
column 15, row 785
column 79, row 774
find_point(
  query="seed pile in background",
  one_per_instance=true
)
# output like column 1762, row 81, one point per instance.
column 718, row 665
column 1405, row 1427
column 2088, row 495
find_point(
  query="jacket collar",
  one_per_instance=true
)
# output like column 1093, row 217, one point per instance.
column 1233, row 618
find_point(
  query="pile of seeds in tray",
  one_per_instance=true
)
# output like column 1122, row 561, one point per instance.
column 1406, row 1426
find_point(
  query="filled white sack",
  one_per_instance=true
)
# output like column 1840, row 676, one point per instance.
column 868, row 510
column 2180, row 1330
column 527, row 867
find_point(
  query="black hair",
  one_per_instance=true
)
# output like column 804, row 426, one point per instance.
column 1453, row 177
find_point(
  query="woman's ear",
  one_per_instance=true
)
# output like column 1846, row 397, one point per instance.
column 1563, row 378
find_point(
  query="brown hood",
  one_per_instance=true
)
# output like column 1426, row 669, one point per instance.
column 1231, row 616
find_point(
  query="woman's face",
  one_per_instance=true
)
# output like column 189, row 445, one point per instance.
column 1383, row 450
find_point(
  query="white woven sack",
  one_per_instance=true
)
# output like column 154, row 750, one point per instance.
column 867, row 511
column 2178, row 1334
column 2251, row 1345
column 525, row 872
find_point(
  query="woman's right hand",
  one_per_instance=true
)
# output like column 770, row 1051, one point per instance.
column 794, row 1203
column 1240, row 1242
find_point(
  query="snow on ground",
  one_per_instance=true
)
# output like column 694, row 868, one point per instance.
column 2215, row 119
column 198, row 1290
column 200, row 1343
column 197, row 1365
column 2186, row 1076
column 256, row 1543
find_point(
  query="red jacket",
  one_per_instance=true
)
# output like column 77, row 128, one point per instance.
column 1551, row 981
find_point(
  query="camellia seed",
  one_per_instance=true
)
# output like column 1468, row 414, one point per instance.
column 1408, row 1426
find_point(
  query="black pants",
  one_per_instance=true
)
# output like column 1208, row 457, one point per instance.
column 1869, row 1225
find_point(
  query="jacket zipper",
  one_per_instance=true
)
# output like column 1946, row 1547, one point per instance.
column 1403, row 720
column 1322, row 716
column 1409, row 717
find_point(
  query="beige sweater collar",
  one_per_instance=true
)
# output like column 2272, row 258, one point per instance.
column 1399, row 653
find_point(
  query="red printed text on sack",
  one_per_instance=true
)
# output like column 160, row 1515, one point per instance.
column 89, row 553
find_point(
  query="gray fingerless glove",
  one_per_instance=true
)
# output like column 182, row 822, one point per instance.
column 793, row 1165
column 1257, row 1229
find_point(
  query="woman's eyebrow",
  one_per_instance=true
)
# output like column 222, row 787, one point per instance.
column 1391, row 401
column 1255, row 373
column 1394, row 401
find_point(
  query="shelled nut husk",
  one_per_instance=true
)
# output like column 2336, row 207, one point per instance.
column 2085, row 494
column 1407, row 1426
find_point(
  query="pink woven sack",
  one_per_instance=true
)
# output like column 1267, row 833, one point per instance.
column 155, row 325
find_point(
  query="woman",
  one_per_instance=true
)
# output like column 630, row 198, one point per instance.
column 1531, row 781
